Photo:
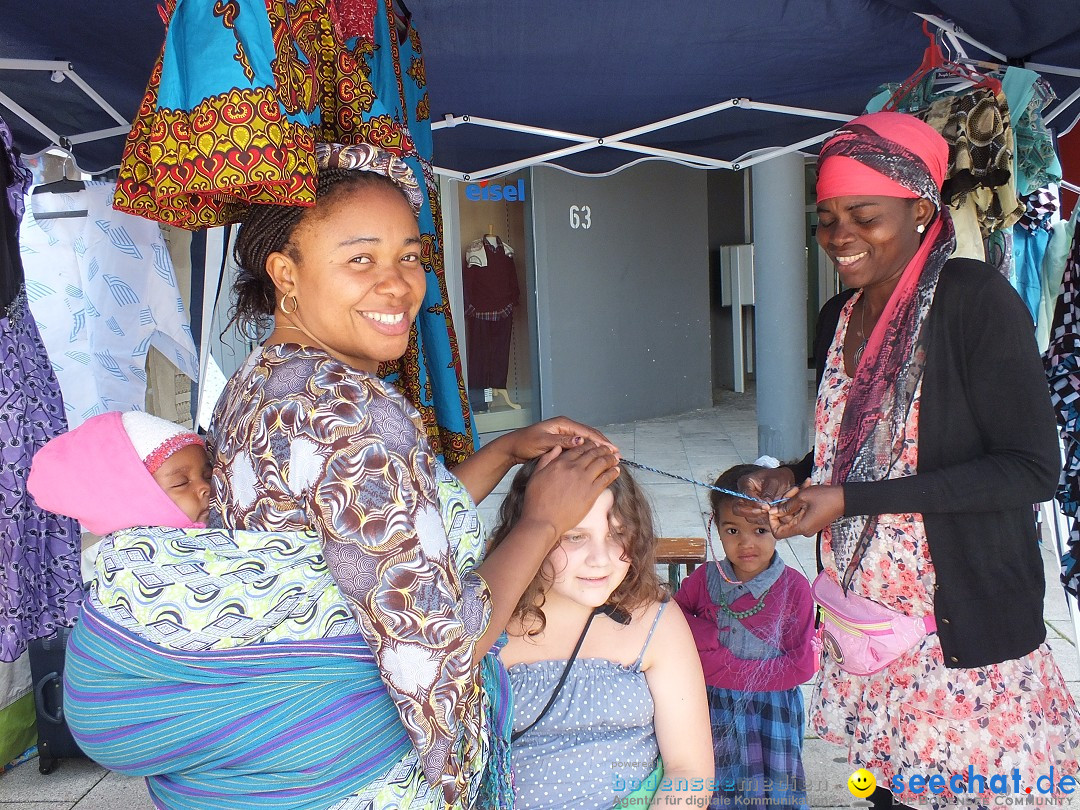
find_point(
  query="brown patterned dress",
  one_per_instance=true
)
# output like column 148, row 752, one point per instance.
column 302, row 441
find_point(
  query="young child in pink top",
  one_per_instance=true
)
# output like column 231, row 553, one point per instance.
column 753, row 622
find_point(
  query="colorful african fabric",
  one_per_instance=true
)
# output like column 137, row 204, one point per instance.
column 103, row 291
column 1035, row 160
column 214, row 134
column 40, row 583
column 203, row 589
column 1029, row 247
column 429, row 373
column 206, row 593
column 1053, row 270
column 295, row 725
column 979, row 132
column 39, row 551
column 364, row 157
column 303, row 442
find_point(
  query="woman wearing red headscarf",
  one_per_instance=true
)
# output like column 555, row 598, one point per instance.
column 934, row 437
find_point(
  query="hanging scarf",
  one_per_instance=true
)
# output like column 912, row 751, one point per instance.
column 883, row 389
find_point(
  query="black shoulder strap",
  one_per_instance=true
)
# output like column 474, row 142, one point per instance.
column 562, row 679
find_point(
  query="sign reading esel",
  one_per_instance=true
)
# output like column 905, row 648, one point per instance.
column 511, row 192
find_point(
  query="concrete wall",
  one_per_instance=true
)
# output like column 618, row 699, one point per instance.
column 623, row 305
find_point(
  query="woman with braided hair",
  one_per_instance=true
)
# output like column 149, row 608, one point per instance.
column 382, row 693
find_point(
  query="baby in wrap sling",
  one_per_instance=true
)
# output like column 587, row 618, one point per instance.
column 222, row 665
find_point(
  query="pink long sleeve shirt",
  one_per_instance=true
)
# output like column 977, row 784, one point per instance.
column 777, row 653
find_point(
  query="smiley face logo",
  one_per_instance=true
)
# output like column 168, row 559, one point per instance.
column 861, row 783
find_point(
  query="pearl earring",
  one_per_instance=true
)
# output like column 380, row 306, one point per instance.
column 920, row 228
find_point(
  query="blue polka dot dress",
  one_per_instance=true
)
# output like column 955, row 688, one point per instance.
column 597, row 742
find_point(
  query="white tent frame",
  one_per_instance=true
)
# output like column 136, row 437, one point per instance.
column 620, row 140
column 59, row 71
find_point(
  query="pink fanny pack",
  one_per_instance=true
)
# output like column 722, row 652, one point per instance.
column 862, row 636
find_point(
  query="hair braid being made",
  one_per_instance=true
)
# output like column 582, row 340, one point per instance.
column 267, row 229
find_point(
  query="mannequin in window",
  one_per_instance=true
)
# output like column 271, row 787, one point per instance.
column 491, row 293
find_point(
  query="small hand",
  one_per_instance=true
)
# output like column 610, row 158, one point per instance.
column 807, row 510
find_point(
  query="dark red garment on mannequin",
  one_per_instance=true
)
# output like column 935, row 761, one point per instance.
column 491, row 293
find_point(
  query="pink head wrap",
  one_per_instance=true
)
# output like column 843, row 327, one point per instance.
column 95, row 475
column 844, row 176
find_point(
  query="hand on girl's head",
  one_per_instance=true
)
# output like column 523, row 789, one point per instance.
column 564, row 488
column 533, row 441
column 548, row 457
column 766, row 485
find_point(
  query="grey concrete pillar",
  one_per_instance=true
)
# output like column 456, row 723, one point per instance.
column 783, row 406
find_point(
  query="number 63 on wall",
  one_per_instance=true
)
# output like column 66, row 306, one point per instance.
column 580, row 217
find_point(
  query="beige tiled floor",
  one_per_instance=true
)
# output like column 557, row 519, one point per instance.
column 698, row 445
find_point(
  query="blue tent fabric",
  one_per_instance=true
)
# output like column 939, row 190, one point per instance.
column 594, row 69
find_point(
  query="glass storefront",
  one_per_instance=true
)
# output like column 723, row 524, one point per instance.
column 490, row 280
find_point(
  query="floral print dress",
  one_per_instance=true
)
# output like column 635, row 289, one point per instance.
column 916, row 716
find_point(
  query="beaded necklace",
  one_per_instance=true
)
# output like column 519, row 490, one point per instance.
column 745, row 614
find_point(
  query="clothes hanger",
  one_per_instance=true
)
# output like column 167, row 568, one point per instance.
column 65, row 185
column 934, row 62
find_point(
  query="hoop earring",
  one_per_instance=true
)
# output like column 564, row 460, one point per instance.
column 296, row 304
column 920, row 228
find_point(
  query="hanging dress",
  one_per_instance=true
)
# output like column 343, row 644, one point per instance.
column 39, row 551
column 236, row 102
column 429, row 373
column 1062, row 362
column 103, row 291
column 491, row 292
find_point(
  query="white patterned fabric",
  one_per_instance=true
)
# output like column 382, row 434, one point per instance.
column 102, row 290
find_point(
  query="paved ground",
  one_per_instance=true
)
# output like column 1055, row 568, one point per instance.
column 697, row 445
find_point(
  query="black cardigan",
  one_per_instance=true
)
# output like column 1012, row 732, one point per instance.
column 988, row 450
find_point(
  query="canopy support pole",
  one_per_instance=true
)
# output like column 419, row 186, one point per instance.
column 783, row 404
column 59, row 71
